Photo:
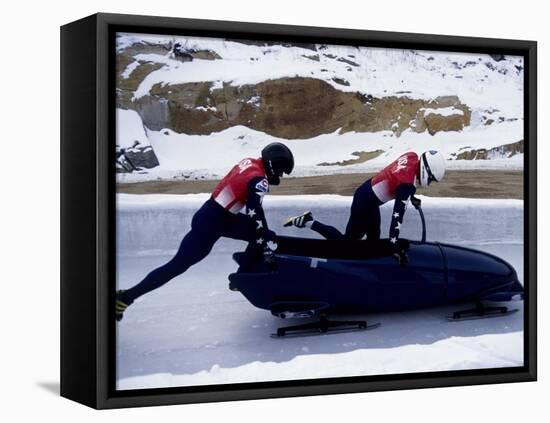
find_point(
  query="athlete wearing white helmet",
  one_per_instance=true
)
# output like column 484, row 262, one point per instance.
column 396, row 182
column 432, row 167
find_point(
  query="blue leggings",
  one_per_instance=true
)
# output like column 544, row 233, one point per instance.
column 209, row 223
column 364, row 217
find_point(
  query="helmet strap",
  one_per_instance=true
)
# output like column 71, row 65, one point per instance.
column 272, row 177
column 427, row 167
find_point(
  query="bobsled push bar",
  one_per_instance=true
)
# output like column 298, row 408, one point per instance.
column 323, row 326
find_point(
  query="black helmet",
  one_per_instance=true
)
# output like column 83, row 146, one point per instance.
column 278, row 159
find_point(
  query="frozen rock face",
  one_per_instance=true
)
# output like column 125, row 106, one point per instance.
column 445, row 113
column 455, row 117
column 291, row 108
column 131, row 72
column 127, row 82
column 338, row 107
column 508, row 150
column 133, row 150
column 136, row 158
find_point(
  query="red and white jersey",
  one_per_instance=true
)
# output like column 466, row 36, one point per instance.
column 232, row 191
column 401, row 171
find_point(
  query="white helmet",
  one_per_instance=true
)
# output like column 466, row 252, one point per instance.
column 432, row 167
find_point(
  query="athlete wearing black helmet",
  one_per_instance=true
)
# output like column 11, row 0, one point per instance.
column 278, row 159
column 242, row 189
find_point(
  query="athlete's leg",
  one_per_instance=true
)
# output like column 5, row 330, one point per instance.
column 373, row 223
column 365, row 214
column 206, row 228
column 357, row 225
column 307, row 220
column 327, row 231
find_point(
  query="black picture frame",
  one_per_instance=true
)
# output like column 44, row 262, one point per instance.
column 88, row 211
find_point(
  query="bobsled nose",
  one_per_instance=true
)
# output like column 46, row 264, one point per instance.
column 511, row 292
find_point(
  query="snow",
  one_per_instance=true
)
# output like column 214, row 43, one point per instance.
column 366, row 362
column 211, row 156
column 129, row 69
column 130, row 129
column 490, row 89
column 157, row 222
column 444, row 111
column 195, row 331
column 478, row 80
column 206, row 109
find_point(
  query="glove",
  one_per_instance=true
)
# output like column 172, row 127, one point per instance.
column 401, row 257
column 270, row 260
column 416, row 202
column 270, row 236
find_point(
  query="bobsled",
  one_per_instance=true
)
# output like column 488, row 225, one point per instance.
column 318, row 278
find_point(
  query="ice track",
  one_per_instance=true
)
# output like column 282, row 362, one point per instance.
column 195, row 331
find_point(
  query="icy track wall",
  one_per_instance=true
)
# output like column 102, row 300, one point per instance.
column 155, row 224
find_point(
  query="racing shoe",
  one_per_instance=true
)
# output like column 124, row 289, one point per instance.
column 122, row 303
column 299, row 221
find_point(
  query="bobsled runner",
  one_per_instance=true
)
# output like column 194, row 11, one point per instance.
column 316, row 278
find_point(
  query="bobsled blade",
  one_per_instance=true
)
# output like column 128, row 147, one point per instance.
column 359, row 327
column 458, row 316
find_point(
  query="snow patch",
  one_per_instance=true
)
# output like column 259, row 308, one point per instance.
column 444, row 111
column 472, row 353
column 129, row 69
column 129, row 129
column 183, row 156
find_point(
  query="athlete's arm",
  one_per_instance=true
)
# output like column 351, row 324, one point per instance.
column 402, row 195
column 257, row 188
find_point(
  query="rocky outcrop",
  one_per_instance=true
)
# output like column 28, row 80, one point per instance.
column 286, row 108
column 127, row 83
column 263, row 43
column 291, row 108
column 497, row 57
column 502, row 151
column 127, row 86
column 455, row 121
column 135, row 158
column 129, row 80
column 398, row 114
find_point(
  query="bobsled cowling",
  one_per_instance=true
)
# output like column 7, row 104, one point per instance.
column 341, row 276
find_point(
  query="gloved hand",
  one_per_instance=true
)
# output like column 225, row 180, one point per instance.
column 271, row 242
column 416, row 202
column 270, row 260
column 270, row 236
column 401, row 257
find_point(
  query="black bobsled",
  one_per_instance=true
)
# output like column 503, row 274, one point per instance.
column 321, row 277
